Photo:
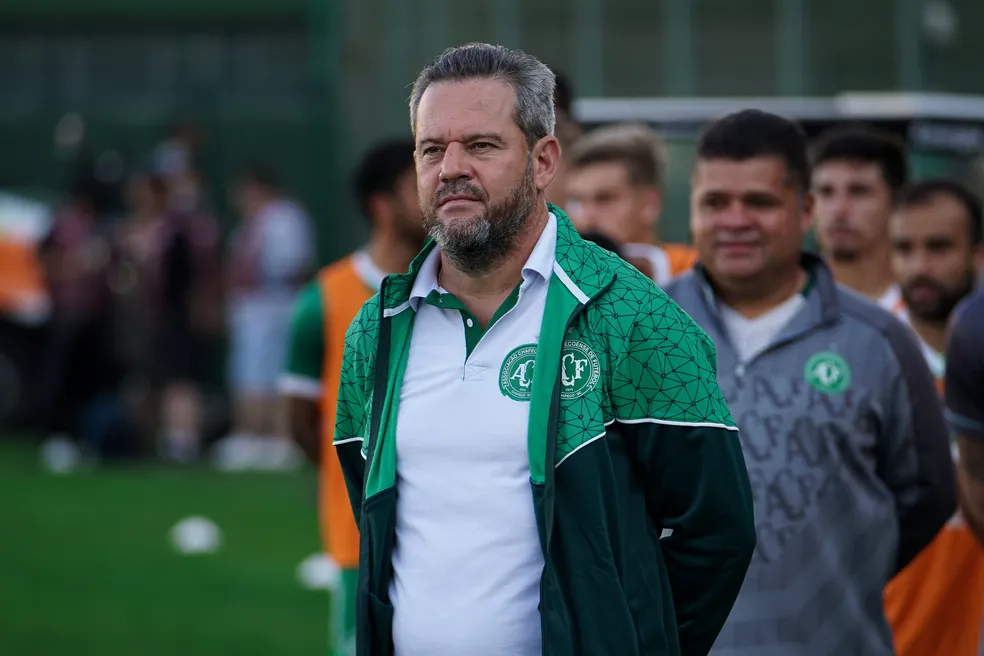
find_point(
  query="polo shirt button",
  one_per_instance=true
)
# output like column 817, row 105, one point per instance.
column 469, row 323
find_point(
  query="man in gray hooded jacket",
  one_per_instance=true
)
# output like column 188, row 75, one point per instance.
column 841, row 426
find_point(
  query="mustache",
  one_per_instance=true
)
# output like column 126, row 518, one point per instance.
column 921, row 281
column 458, row 187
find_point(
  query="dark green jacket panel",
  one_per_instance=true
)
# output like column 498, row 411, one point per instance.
column 697, row 486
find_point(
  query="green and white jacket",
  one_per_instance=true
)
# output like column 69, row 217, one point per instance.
column 650, row 450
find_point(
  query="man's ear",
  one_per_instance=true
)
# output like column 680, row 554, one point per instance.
column 546, row 161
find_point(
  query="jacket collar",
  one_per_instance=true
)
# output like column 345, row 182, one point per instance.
column 821, row 292
column 581, row 269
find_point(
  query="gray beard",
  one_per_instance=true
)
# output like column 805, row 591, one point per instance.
column 480, row 245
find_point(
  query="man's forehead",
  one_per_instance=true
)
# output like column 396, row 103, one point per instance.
column 468, row 106
column 846, row 169
column 608, row 172
column 765, row 173
column 939, row 214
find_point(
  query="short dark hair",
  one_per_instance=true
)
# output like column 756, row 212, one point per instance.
column 602, row 240
column 563, row 94
column 380, row 168
column 925, row 191
column 867, row 144
column 754, row 133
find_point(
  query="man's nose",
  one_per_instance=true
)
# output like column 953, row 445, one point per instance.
column 455, row 163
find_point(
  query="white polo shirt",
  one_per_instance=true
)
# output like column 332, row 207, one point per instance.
column 467, row 560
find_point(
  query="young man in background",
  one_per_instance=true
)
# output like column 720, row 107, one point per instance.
column 857, row 172
column 386, row 185
column 615, row 187
column 936, row 604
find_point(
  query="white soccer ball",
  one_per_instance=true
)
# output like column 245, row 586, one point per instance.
column 196, row 535
column 59, row 455
column 318, row 572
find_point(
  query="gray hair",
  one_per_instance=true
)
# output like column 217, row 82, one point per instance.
column 533, row 81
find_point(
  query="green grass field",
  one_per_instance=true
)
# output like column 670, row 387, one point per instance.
column 86, row 566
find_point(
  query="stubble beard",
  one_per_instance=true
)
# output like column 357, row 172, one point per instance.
column 475, row 246
column 947, row 302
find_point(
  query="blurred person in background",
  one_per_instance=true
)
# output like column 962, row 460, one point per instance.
column 964, row 390
column 74, row 260
column 857, row 172
column 615, row 186
column 271, row 257
column 840, row 422
column 166, row 283
column 385, row 184
column 79, row 399
column 567, row 131
column 602, row 240
column 936, row 604
column 179, row 151
column 937, row 257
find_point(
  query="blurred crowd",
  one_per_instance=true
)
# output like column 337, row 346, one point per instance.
column 145, row 295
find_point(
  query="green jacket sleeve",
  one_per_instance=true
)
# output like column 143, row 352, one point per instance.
column 680, row 433
column 306, row 348
column 355, row 400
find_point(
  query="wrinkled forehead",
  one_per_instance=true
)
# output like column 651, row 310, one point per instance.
column 449, row 111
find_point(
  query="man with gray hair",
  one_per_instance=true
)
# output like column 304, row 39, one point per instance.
column 522, row 415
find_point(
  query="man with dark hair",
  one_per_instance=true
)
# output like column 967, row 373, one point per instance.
column 385, row 185
column 523, row 414
column 857, row 173
column 615, row 185
column 936, row 604
column 841, row 426
column 937, row 254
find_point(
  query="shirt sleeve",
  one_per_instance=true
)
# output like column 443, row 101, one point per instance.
column 964, row 387
column 306, row 349
column 680, row 434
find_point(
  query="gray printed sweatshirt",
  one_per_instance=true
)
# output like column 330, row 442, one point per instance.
column 847, row 451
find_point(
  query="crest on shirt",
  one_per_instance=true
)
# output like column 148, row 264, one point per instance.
column 579, row 374
column 828, row 372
